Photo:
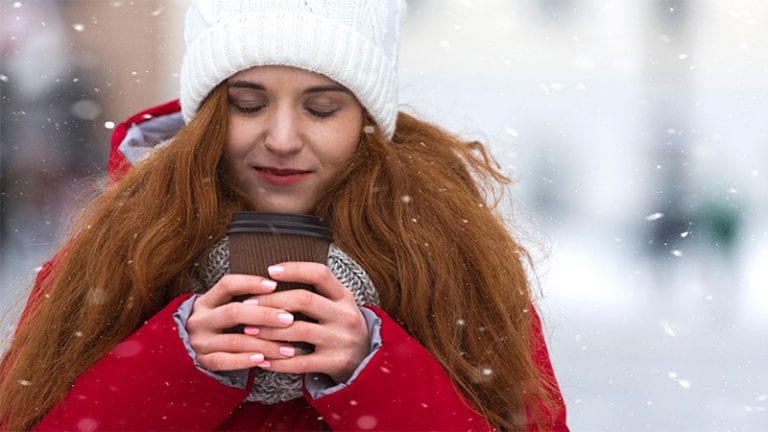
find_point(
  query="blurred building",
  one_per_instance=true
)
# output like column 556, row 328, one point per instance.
column 69, row 71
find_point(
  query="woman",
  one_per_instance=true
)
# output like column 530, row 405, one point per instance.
column 424, row 314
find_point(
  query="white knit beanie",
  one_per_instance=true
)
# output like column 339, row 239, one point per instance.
column 353, row 42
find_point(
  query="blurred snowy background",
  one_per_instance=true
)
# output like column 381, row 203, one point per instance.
column 636, row 131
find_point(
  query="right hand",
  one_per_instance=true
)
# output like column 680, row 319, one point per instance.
column 215, row 311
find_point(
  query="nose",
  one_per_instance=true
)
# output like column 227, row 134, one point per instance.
column 283, row 133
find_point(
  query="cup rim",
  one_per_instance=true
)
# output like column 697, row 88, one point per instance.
column 279, row 223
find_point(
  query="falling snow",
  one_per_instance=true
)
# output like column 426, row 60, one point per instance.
column 688, row 288
column 654, row 216
column 668, row 329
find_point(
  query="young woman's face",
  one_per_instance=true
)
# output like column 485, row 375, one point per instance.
column 290, row 133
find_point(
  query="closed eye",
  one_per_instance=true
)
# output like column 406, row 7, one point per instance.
column 246, row 109
column 321, row 113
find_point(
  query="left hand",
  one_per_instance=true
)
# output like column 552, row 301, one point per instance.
column 340, row 336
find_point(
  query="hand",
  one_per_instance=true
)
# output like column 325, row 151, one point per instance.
column 215, row 311
column 340, row 336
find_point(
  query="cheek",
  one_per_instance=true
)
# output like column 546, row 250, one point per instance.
column 348, row 138
column 237, row 142
column 233, row 157
column 343, row 148
column 235, row 147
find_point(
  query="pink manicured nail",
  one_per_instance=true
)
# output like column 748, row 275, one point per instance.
column 285, row 317
column 287, row 351
column 251, row 331
column 275, row 270
column 258, row 358
column 251, row 301
column 264, row 364
column 268, row 284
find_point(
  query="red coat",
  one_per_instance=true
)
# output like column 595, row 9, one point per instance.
column 148, row 381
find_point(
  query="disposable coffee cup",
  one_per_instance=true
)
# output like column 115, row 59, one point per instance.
column 258, row 240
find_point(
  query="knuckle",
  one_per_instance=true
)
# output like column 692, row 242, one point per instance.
column 194, row 323
column 236, row 344
column 300, row 330
column 349, row 319
column 304, row 298
column 197, row 346
column 225, row 283
column 318, row 273
column 232, row 311
column 325, row 274
column 217, row 361
column 208, row 361
column 346, row 340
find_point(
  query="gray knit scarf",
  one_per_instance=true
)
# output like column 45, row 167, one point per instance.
column 272, row 387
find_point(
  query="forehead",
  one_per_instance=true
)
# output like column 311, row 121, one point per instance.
column 282, row 75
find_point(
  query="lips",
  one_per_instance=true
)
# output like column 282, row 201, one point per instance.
column 281, row 176
column 281, row 171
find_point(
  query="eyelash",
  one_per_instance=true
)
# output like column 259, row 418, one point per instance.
column 245, row 110
column 316, row 113
column 322, row 114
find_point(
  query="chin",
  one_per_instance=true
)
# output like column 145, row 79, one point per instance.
column 286, row 208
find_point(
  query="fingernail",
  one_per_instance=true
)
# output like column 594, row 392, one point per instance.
column 287, row 351
column 275, row 270
column 264, row 364
column 251, row 301
column 285, row 317
column 258, row 358
column 251, row 331
column 268, row 284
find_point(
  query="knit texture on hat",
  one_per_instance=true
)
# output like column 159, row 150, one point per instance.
column 273, row 387
column 353, row 42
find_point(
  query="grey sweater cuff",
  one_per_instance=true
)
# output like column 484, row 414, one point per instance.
column 237, row 379
column 319, row 385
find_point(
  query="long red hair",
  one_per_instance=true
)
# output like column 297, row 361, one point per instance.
column 416, row 213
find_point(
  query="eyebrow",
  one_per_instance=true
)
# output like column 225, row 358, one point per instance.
column 316, row 89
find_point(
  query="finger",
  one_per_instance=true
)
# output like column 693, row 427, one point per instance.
column 310, row 273
column 224, row 361
column 300, row 331
column 238, row 343
column 296, row 365
column 307, row 302
column 236, row 313
column 232, row 285
column 317, row 363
